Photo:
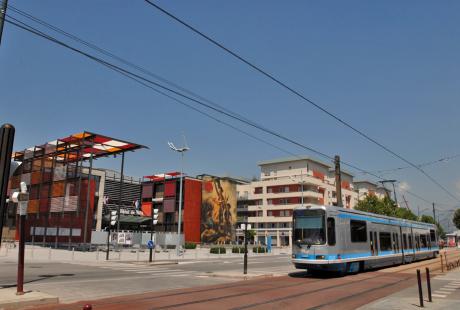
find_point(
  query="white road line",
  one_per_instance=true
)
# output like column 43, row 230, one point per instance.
column 438, row 295
column 160, row 271
column 452, row 286
column 448, row 290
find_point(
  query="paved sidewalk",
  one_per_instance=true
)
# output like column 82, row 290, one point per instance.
column 9, row 299
column 40, row 254
column 445, row 290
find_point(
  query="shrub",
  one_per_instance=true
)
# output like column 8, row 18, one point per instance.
column 190, row 246
column 238, row 249
column 259, row 249
column 217, row 250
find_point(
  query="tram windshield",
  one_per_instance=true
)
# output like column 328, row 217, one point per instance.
column 309, row 227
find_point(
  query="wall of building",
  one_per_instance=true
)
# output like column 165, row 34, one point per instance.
column 192, row 210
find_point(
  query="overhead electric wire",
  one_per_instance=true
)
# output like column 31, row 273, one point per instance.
column 298, row 94
column 143, row 81
column 429, row 163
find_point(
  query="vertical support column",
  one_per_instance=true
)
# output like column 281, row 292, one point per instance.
column 50, row 191
column 245, row 269
column 90, row 171
column 428, row 284
column 120, row 195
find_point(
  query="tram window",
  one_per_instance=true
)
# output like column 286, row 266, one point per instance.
column 358, row 231
column 410, row 242
column 330, row 231
column 417, row 242
column 405, row 241
column 385, row 241
column 432, row 235
column 423, row 240
column 428, row 241
column 397, row 242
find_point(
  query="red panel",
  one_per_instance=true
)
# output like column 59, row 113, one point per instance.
column 192, row 210
column 147, row 208
column 170, row 189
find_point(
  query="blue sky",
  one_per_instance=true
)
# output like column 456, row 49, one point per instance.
column 389, row 68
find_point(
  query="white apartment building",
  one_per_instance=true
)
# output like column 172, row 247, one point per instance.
column 267, row 204
column 365, row 188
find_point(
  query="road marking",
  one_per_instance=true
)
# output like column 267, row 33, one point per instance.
column 447, row 289
column 160, row 271
column 451, row 286
column 437, row 295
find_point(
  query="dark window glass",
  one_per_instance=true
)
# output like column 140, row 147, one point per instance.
column 410, row 242
column 433, row 235
column 358, row 231
column 397, row 242
column 405, row 241
column 423, row 241
column 309, row 227
column 330, row 231
column 385, row 241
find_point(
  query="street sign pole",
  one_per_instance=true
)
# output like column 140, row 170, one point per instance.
column 22, row 199
column 245, row 268
column 153, row 223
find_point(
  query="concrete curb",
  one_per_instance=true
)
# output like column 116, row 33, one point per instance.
column 9, row 299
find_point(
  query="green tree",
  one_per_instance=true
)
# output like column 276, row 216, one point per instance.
column 429, row 219
column 384, row 206
column 456, row 218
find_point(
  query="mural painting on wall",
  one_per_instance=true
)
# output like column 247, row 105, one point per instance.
column 218, row 212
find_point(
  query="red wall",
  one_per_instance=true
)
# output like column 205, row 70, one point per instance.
column 192, row 210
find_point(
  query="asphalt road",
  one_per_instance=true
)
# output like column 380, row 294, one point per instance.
column 74, row 282
column 298, row 290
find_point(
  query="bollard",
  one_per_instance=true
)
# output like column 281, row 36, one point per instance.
column 428, row 283
column 97, row 253
column 49, row 253
column 73, row 253
column 445, row 259
column 442, row 264
column 420, row 292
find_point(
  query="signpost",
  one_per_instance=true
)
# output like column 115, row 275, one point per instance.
column 245, row 226
column 22, row 199
column 113, row 217
column 153, row 223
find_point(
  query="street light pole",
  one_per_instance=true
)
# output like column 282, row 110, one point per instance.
column 180, row 203
column 181, row 150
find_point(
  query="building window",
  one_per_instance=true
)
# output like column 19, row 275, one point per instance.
column 269, row 213
column 258, row 190
column 385, row 241
column 358, row 231
column 270, row 201
column 269, row 189
column 273, row 225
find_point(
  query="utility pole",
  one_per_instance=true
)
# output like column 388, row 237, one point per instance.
column 6, row 149
column 338, row 181
column 434, row 214
column 394, row 189
column 2, row 17
column 22, row 199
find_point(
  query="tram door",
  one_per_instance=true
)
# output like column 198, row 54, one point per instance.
column 373, row 243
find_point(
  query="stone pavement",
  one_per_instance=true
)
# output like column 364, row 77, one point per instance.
column 9, row 299
column 445, row 290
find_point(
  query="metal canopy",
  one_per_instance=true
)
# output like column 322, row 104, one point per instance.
column 79, row 146
column 131, row 219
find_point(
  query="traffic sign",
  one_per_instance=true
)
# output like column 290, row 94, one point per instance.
column 150, row 244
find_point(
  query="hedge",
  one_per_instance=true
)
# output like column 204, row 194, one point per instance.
column 259, row 250
column 190, row 246
column 217, row 250
column 238, row 249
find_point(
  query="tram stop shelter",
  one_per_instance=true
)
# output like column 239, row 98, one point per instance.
column 63, row 189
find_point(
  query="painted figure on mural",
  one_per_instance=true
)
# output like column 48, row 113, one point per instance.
column 218, row 210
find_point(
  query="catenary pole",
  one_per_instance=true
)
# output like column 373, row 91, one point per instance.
column 2, row 17
column 6, row 149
